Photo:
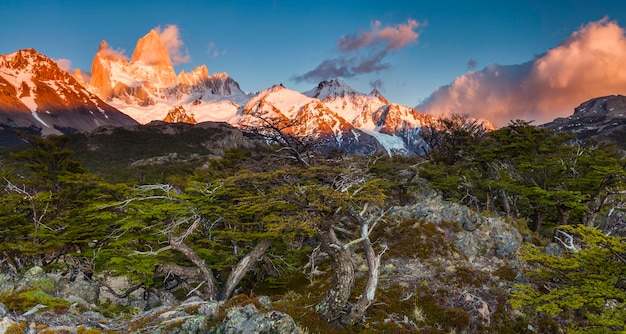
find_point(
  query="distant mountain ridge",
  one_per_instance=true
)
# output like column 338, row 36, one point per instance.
column 36, row 95
column 147, row 89
column 602, row 119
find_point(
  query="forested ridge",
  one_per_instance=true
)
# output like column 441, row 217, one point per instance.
column 330, row 237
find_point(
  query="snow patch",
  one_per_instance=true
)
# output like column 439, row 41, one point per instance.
column 390, row 143
column 39, row 119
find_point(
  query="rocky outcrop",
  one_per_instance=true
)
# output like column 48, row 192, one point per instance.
column 478, row 238
column 247, row 319
column 178, row 114
column 52, row 302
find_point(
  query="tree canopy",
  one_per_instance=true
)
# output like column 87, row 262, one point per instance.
column 524, row 171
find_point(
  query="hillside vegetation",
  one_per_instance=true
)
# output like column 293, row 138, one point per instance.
column 510, row 231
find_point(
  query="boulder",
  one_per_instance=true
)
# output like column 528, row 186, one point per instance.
column 247, row 320
column 82, row 289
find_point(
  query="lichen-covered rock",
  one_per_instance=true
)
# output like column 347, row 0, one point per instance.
column 167, row 298
column 120, row 285
column 94, row 316
column 271, row 322
column 265, row 302
column 248, row 320
column 209, row 310
column 33, row 273
column 6, row 323
column 4, row 311
column 6, row 283
column 553, row 249
column 477, row 236
column 194, row 325
column 82, row 289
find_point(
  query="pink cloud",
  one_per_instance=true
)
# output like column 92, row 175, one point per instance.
column 364, row 52
column 64, row 64
column 590, row 63
column 392, row 37
column 170, row 37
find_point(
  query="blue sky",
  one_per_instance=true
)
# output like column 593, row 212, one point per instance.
column 261, row 43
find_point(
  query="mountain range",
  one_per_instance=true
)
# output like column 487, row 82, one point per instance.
column 124, row 92
column 40, row 98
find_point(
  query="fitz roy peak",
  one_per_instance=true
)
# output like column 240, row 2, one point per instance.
column 39, row 97
column 147, row 88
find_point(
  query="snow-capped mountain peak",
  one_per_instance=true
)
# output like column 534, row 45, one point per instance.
column 344, row 100
column 36, row 94
column 330, row 89
column 147, row 87
column 377, row 94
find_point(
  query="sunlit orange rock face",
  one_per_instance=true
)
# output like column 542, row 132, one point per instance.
column 149, row 75
column 150, row 51
column 178, row 114
column 100, row 76
column 9, row 101
column 394, row 118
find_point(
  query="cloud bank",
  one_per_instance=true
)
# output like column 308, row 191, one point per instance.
column 590, row 63
column 364, row 52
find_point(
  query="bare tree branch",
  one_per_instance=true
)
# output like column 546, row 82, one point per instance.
column 570, row 241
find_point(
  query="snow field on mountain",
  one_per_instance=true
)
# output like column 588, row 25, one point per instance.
column 389, row 142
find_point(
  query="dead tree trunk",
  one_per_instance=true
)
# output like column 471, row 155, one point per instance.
column 204, row 270
column 357, row 311
column 334, row 305
column 243, row 267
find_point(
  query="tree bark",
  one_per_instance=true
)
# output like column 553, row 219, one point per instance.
column 243, row 267
column 538, row 222
column 190, row 273
column 357, row 311
column 505, row 202
column 563, row 217
column 334, row 305
column 206, row 272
